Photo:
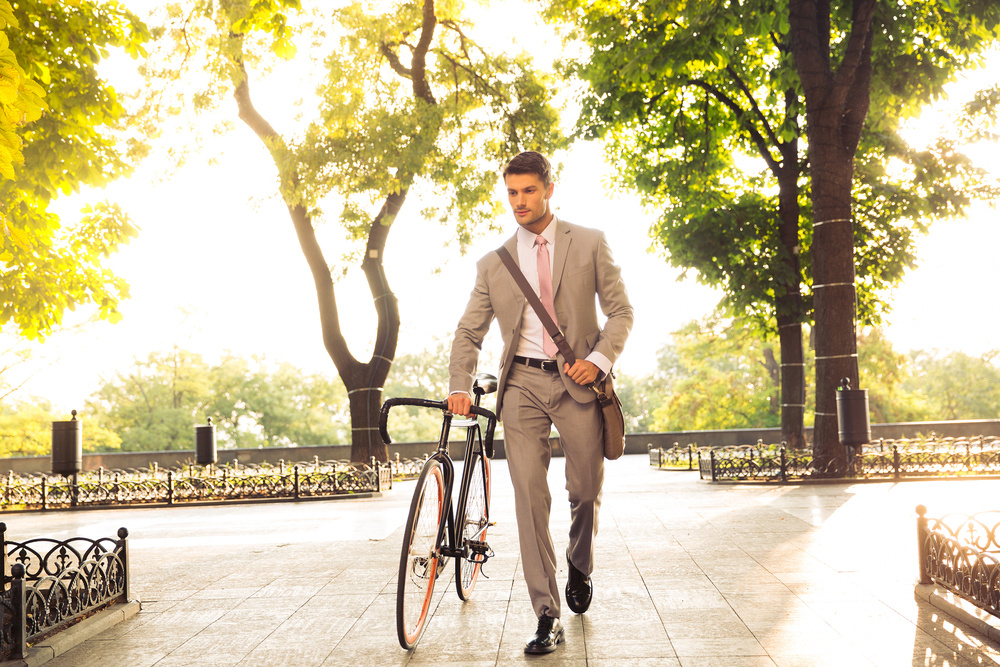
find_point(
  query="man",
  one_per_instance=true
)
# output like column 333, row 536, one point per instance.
column 567, row 266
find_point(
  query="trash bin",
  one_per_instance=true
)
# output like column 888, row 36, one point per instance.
column 204, row 444
column 853, row 425
column 67, row 447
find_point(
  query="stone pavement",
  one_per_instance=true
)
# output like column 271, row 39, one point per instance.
column 688, row 574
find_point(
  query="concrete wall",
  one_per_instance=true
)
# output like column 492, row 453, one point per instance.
column 635, row 443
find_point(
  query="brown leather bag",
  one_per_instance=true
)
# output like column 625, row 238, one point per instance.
column 611, row 407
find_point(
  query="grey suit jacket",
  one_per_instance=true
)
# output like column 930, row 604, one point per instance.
column 582, row 269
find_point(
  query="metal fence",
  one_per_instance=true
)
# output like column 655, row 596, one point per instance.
column 880, row 459
column 48, row 584
column 673, row 458
column 961, row 553
column 192, row 483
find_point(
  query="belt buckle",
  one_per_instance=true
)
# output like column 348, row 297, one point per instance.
column 549, row 365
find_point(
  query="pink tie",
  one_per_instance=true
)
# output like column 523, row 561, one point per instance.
column 545, row 291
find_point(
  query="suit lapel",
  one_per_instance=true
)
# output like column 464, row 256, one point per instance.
column 511, row 246
column 563, row 240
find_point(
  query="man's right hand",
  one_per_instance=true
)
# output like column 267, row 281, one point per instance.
column 460, row 404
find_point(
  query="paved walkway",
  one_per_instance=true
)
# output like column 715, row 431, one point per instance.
column 689, row 573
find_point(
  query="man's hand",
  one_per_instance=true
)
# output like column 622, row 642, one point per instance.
column 582, row 372
column 460, row 404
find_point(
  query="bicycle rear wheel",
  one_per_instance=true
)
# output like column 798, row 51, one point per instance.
column 420, row 561
column 473, row 520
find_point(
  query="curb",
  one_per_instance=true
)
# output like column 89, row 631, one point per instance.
column 62, row 642
column 961, row 610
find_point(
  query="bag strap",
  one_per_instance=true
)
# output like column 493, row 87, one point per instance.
column 536, row 304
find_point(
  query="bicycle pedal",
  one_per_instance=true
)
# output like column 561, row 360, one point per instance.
column 479, row 551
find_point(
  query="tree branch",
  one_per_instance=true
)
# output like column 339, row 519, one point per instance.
column 421, row 88
column 394, row 61
column 755, row 136
column 753, row 104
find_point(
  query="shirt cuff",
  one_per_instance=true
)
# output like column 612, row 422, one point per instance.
column 600, row 361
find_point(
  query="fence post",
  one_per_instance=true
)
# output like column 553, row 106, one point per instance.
column 895, row 462
column 922, row 544
column 3, row 556
column 378, row 477
column 123, row 555
column 45, row 499
column 711, row 458
column 296, row 469
column 19, row 632
column 170, row 487
column 784, row 471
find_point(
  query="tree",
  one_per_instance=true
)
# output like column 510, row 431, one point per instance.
column 79, row 139
column 409, row 101
column 155, row 405
column 832, row 47
column 684, row 93
column 722, row 377
column 26, row 430
column 887, row 374
column 957, row 385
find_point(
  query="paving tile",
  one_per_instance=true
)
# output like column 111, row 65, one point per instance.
column 687, row 574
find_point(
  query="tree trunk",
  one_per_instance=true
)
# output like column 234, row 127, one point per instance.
column 836, row 107
column 788, row 305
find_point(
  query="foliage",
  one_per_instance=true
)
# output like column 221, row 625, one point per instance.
column 886, row 374
column 26, row 430
column 155, row 405
column 701, row 110
column 956, row 385
column 721, row 376
column 20, row 98
column 81, row 139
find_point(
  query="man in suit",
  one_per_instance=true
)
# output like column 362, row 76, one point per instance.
column 568, row 266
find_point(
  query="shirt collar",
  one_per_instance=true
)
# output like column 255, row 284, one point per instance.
column 524, row 237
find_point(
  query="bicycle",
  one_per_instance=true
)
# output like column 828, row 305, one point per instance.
column 433, row 530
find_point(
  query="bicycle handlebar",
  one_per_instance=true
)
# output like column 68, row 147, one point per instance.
column 383, row 417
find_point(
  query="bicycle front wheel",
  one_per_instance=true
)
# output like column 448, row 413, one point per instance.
column 420, row 561
column 473, row 520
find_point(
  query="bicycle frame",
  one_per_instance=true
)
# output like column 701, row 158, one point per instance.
column 446, row 542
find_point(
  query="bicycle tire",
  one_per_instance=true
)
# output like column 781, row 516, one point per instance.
column 420, row 561
column 473, row 520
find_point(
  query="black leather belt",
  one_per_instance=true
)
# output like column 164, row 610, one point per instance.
column 550, row 365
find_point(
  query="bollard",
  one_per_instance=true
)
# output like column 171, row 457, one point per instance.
column 204, row 443
column 67, row 447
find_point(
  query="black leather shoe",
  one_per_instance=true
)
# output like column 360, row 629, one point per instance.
column 579, row 590
column 547, row 637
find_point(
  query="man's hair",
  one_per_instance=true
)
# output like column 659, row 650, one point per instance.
column 530, row 162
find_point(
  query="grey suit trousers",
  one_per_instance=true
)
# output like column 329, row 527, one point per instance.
column 535, row 400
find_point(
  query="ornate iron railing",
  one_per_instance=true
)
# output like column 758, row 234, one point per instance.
column 48, row 584
column 961, row 553
column 673, row 458
column 881, row 459
column 195, row 484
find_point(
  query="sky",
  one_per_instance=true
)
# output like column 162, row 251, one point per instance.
column 217, row 268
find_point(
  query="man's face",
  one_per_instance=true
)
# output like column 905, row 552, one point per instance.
column 529, row 200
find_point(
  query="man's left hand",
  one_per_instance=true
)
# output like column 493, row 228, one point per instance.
column 582, row 372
